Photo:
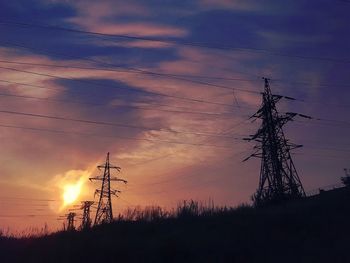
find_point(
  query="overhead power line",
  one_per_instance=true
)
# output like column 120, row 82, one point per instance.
column 28, row 198
column 122, row 87
column 184, row 109
column 131, row 71
column 145, row 72
column 162, row 94
column 182, row 79
column 113, row 136
column 207, row 134
column 140, row 71
column 27, row 215
column 304, row 83
column 214, row 114
column 177, row 42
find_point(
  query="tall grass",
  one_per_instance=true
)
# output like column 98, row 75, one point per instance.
column 184, row 209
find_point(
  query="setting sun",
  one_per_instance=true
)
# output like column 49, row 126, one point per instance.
column 71, row 193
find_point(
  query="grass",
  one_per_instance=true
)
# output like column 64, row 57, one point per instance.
column 311, row 230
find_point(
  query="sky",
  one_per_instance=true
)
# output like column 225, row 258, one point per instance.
column 167, row 87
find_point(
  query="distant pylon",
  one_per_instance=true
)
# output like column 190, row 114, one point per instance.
column 86, row 220
column 279, row 180
column 346, row 179
column 104, row 213
column 70, row 221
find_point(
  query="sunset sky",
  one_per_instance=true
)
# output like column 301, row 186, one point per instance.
column 167, row 88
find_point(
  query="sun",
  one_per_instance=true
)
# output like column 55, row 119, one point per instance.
column 71, row 193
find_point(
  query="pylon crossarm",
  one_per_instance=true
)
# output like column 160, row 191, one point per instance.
column 293, row 146
column 96, row 178
column 256, row 154
column 118, row 180
column 276, row 98
column 100, row 167
column 115, row 167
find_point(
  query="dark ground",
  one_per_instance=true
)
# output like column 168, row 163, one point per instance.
column 312, row 230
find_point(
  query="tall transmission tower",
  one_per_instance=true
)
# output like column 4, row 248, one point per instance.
column 70, row 221
column 279, row 180
column 104, row 212
column 86, row 220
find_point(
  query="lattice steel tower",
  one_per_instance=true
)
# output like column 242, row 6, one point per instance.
column 279, row 180
column 104, row 212
column 86, row 220
column 70, row 221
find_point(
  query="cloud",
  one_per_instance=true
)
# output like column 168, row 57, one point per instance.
column 286, row 40
column 241, row 5
column 137, row 29
column 144, row 44
column 109, row 8
column 103, row 18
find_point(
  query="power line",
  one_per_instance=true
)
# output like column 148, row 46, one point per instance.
column 78, row 133
column 131, row 71
column 27, row 215
column 207, row 134
column 178, row 177
column 185, row 110
column 175, row 75
column 204, row 141
column 139, row 71
column 330, row 149
column 214, row 114
column 152, row 73
column 322, row 156
column 122, row 87
column 306, row 83
column 153, row 104
column 335, row 124
column 185, row 43
column 105, row 136
column 310, row 147
column 28, row 199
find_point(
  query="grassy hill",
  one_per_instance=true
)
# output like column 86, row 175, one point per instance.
column 312, row 230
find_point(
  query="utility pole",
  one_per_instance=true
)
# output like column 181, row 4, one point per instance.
column 70, row 221
column 104, row 212
column 279, row 180
column 86, row 220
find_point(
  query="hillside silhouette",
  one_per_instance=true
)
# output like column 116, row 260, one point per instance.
column 315, row 229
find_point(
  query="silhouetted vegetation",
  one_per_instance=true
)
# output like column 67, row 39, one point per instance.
column 310, row 230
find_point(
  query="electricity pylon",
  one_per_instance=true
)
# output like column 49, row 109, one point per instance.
column 86, row 220
column 70, row 221
column 104, row 212
column 346, row 179
column 279, row 180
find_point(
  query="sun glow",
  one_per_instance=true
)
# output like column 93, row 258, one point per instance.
column 71, row 187
column 71, row 193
